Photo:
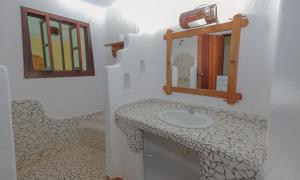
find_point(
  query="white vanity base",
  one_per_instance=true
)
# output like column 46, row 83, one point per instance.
column 164, row 160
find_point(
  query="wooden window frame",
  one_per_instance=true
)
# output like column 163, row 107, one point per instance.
column 29, row 72
column 235, row 26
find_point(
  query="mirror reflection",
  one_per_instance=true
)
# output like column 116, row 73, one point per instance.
column 201, row 62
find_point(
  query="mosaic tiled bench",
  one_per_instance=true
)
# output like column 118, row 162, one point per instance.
column 57, row 149
column 233, row 148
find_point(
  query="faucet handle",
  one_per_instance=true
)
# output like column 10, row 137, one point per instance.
column 190, row 109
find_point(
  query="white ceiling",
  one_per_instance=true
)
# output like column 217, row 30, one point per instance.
column 103, row 3
column 151, row 15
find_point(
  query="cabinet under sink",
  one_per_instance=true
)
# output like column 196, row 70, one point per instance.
column 164, row 159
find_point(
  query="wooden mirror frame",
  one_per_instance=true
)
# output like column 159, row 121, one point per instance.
column 235, row 26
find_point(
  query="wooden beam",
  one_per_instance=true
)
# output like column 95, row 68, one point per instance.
column 169, row 63
column 234, row 55
column 50, row 43
column 115, row 47
column 117, row 178
column 79, row 46
column 62, row 45
column 205, row 92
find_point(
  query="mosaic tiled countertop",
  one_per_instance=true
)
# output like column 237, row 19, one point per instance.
column 236, row 138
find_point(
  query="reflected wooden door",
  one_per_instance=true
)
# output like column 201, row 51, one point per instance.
column 210, row 60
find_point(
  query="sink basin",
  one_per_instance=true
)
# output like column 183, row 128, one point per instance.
column 185, row 119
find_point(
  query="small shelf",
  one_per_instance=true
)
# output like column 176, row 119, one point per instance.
column 115, row 47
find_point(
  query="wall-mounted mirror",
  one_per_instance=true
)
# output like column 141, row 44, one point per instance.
column 201, row 62
column 204, row 60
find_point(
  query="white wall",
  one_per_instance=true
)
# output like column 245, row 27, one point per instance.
column 62, row 97
column 7, row 155
column 117, row 25
column 284, row 134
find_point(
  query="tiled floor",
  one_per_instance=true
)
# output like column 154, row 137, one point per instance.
column 78, row 163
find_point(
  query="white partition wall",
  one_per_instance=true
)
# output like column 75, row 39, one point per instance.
column 119, row 160
column 128, row 80
column 284, row 135
column 7, row 151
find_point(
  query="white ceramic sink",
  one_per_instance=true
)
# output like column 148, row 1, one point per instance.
column 183, row 118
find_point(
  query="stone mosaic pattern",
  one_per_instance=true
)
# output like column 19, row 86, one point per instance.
column 233, row 148
column 57, row 149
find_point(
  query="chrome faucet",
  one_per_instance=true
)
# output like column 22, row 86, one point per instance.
column 190, row 110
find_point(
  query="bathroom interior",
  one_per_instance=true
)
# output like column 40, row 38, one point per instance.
column 149, row 90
